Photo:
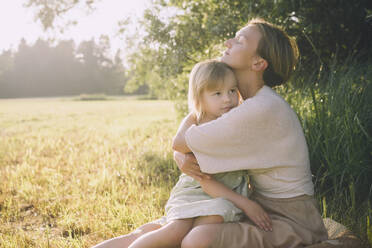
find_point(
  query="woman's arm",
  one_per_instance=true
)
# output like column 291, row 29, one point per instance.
column 179, row 142
column 188, row 164
column 253, row 210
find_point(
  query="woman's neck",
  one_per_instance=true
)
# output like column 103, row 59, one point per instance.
column 249, row 82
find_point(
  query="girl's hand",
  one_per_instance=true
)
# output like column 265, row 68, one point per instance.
column 256, row 213
column 189, row 165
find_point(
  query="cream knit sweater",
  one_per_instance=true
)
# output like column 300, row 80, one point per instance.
column 264, row 136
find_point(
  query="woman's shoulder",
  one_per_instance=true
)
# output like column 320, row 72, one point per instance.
column 271, row 97
column 266, row 101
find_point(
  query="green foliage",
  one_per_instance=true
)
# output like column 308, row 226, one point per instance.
column 175, row 45
column 335, row 108
column 336, row 113
column 197, row 29
column 143, row 77
column 96, row 97
column 369, row 229
column 49, row 11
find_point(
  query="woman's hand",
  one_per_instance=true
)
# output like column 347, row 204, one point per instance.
column 256, row 213
column 189, row 165
column 179, row 141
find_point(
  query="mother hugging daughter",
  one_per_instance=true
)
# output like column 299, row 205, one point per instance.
column 261, row 137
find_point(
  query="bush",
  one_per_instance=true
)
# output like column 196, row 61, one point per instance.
column 94, row 97
column 335, row 108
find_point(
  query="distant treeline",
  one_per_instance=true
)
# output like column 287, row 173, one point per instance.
column 43, row 69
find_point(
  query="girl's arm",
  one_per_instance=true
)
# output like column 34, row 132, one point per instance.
column 253, row 210
column 179, row 142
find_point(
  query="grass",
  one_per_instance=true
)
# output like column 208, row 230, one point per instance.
column 335, row 108
column 75, row 173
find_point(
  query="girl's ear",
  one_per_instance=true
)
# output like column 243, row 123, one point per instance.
column 259, row 64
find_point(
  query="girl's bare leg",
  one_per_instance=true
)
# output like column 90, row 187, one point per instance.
column 125, row 240
column 168, row 236
column 211, row 219
column 202, row 234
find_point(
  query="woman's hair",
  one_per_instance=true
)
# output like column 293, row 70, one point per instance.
column 206, row 75
column 278, row 49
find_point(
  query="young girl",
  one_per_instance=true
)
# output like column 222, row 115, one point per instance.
column 212, row 92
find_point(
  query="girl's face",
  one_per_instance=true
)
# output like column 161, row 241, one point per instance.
column 241, row 50
column 219, row 101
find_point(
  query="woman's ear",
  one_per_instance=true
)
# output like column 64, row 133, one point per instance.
column 259, row 64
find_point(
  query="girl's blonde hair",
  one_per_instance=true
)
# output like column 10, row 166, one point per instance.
column 206, row 75
column 278, row 49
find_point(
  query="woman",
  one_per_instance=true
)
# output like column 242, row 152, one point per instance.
column 262, row 135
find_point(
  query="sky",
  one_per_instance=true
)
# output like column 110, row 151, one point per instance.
column 17, row 22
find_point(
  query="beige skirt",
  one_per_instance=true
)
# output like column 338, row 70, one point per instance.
column 296, row 222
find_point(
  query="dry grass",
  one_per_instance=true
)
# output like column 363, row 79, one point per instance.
column 75, row 173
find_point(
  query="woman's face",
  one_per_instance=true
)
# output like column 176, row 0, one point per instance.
column 241, row 50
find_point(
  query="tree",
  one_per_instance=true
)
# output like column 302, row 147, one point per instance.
column 65, row 68
column 45, row 70
column 48, row 11
column 115, row 76
column 6, row 67
column 324, row 30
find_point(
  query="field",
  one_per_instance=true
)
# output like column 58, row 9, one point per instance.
column 73, row 173
column 76, row 172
